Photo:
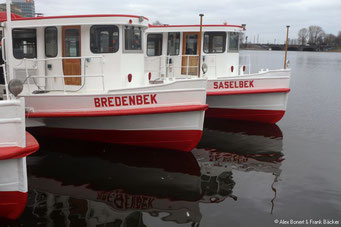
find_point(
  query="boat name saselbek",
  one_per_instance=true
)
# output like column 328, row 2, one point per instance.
column 233, row 84
column 128, row 100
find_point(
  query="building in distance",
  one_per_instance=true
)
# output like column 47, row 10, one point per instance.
column 14, row 8
column 27, row 7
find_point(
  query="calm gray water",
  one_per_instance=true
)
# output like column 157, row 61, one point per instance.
column 241, row 174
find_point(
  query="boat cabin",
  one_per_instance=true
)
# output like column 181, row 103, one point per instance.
column 76, row 53
column 173, row 50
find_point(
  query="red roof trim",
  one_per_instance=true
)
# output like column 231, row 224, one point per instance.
column 186, row 26
column 78, row 16
column 19, row 152
column 243, row 92
column 3, row 16
column 102, row 113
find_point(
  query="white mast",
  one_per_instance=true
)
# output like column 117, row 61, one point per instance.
column 8, row 40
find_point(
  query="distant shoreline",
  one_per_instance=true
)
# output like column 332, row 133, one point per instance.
column 263, row 49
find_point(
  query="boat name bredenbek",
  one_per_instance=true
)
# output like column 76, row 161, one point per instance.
column 123, row 201
column 233, row 84
column 128, row 100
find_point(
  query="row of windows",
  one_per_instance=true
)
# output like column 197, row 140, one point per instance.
column 214, row 42
column 103, row 39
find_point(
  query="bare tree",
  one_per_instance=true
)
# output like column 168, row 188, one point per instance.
column 316, row 34
column 303, row 36
column 330, row 40
column 338, row 40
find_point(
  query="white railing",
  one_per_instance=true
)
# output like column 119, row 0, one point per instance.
column 179, row 66
column 84, row 60
column 5, row 80
column 176, row 66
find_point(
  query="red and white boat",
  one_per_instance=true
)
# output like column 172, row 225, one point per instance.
column 15, row 145
column 173, row 52
column 84, row 78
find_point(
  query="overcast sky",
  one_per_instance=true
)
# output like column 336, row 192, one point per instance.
column 264, row 18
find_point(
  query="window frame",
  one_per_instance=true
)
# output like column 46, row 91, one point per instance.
column 99, row 25
column 67, row 49
column 124, row 27
column 56, row 29
column 177, row 33
column 228, row 47
column 214, row 33
column 186, row 43
column 35, row 41
column 158, row 34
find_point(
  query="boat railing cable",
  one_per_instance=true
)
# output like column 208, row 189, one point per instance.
column 172, row 65
column 84, row 60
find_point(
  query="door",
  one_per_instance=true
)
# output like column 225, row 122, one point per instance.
column 72, row 48
column 190, row 46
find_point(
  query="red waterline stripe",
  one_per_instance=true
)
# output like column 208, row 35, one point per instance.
column 181, row 140
column 101, row 113
column 18, row 152
column 244, row 92
column 264, row 116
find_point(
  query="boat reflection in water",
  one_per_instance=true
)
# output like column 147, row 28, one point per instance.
column 88, row 184
column 108, row 186
column 242, row 146
column 261, row 141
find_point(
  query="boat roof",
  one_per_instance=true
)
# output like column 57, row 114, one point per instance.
column 195, row 28
column 44, row 21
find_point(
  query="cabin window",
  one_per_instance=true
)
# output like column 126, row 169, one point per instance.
column 104, row 39
column 173, row 43
column 154, row 45
column 72, row 43
column 214, row 42
column 51, row 42
column 191, row 44
column 132, row 39
column 233, row 41
column 24, row 43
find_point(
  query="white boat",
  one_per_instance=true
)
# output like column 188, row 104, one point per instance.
column 85, row 79
column 173, row 52
column 15, row 145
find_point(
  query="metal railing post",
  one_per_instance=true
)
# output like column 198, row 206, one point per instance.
column 187, row 65
column 5, row 79
column 249, row 64
column 27, row 76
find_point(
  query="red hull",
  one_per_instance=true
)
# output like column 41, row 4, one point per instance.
column 12, row 204
column 181, row 140
column 264, row 116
